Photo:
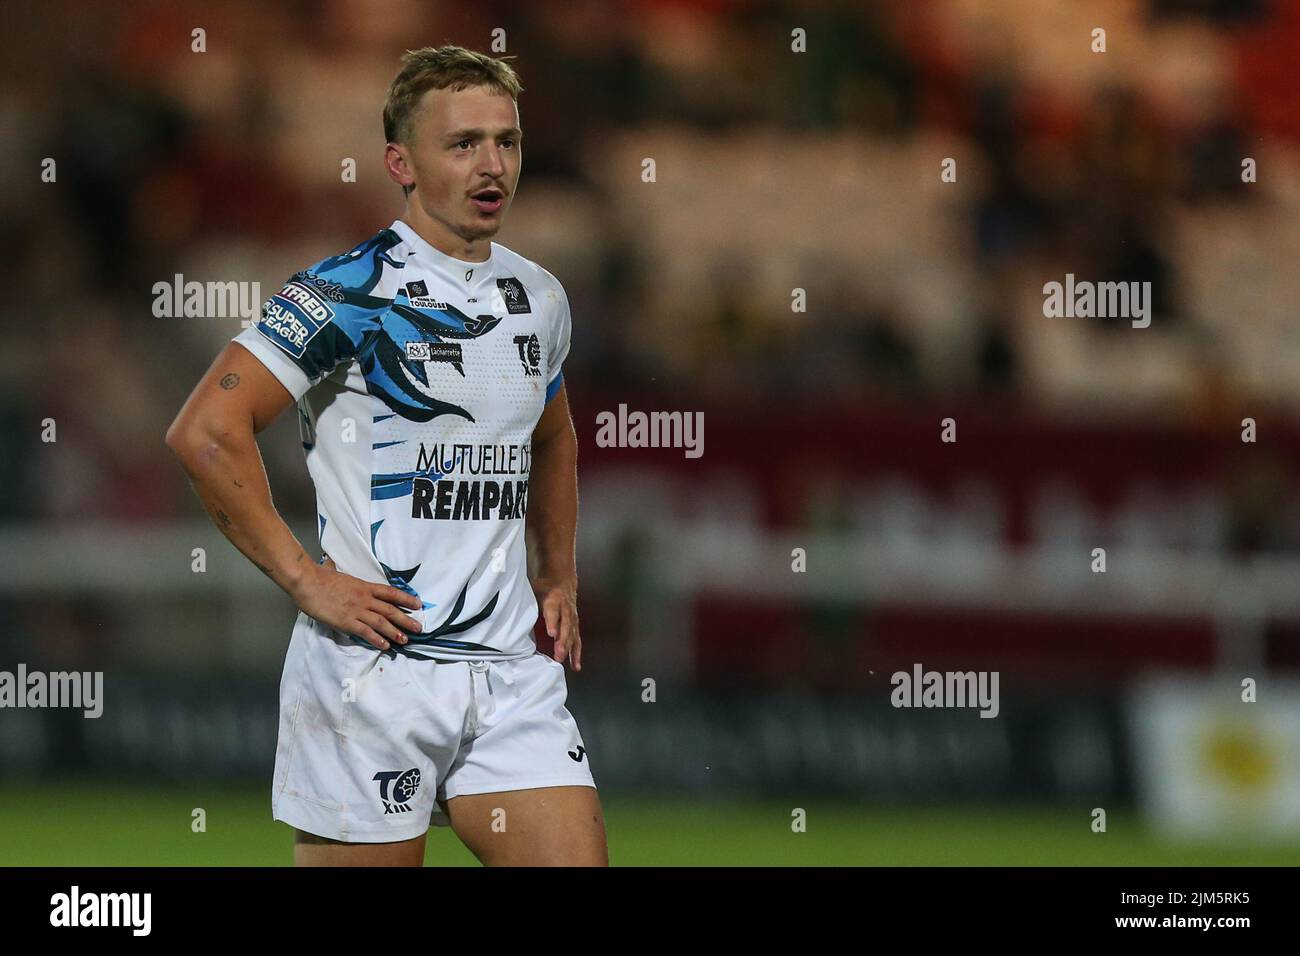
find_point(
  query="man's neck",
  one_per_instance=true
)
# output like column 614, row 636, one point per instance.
column 445, row 241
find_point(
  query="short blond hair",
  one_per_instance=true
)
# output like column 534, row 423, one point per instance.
column 439, row 68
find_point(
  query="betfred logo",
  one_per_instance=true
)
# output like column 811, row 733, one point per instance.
column 293, row 316
column 307, row 301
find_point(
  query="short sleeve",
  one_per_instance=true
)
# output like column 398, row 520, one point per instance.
column 307, row 329
column 288, row 372
column 560, row 332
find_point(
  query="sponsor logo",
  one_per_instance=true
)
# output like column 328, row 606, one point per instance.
column 397, row 789
column 434, row 352
column 292, row 317
column 446, row 457
column 418, row 294
column 481, row 324
column 516, row 297
column 530, row 354
column 578, row 754
column 306, row 300
column 481, row 500
column 331, row 290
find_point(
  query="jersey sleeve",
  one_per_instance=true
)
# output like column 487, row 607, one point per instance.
column 317, row 321
column 559, row 347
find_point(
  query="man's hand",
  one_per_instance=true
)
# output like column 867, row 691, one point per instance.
column 370, row 611
column 559, row 603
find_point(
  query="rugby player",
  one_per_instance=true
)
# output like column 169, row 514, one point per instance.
column 426, row 369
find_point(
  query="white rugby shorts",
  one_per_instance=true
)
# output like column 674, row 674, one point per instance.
column 370, row 741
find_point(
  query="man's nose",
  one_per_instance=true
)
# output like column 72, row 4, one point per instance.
column 491, row 163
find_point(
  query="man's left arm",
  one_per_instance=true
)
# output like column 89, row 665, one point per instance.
column 552, row 525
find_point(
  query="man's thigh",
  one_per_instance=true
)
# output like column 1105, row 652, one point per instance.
column 312, row 850
column 545, row 826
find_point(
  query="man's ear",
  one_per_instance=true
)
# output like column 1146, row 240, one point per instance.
column 398, row 166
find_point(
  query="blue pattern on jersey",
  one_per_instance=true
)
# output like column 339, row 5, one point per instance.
column 398, row 579
column 401, row 381
column 359, row 271
column 324, row 314
column 386, row 487
column 394, row 379
column 402, row 581
column 373, row 329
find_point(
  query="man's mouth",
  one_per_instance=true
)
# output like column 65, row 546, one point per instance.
column 488, row 200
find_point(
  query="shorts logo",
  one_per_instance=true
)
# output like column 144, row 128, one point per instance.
column 577, row 756
column 515, row 295
column 530, row 354
column 403, row 790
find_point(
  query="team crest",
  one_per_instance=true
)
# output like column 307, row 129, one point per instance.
column 530, row 354
column 397, row 789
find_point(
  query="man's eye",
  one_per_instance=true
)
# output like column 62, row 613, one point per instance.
column 508, row 142
column 464, row 142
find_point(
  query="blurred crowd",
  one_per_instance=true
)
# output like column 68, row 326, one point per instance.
column 774, row 171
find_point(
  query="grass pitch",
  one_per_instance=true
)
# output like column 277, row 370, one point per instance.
column 53, row 824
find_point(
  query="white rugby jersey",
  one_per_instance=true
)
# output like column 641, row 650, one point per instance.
column 419, row 380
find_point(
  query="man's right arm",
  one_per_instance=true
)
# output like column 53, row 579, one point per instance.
column 214, row 438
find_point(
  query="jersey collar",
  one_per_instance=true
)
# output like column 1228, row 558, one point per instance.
column 436, row 257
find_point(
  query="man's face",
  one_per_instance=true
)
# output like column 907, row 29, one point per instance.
column 465, row 159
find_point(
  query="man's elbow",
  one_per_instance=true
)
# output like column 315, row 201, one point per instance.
column 193, row 445
column 182, row 442
column 176, row 438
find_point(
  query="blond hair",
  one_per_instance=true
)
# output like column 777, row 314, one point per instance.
column 439, row 68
